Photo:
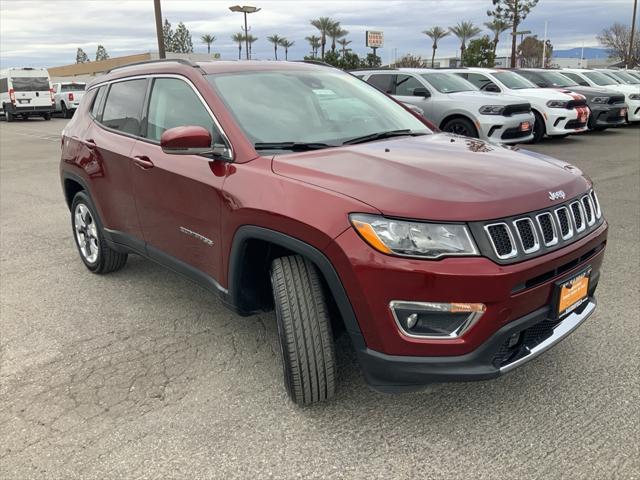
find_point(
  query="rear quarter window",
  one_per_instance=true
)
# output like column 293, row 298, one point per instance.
column 123, row 106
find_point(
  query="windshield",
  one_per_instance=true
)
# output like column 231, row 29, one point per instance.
column 624, row 77
column 600, row 78
column 72, row 87
column 320, row 106
column 30, row 84
column 514, row 81
column 448, row 82
column 556, row 79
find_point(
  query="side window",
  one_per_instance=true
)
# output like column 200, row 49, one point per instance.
column 4, row 85
column 406, row 84
column 576, row 78
column 533, row 77
column 382, row 81
column 173, row 103
column 97, row 101
column 482, row 82
column 123, row 107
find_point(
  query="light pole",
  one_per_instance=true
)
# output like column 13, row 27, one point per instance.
column 159, row 33
column 245, row 9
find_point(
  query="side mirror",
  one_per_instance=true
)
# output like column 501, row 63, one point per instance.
column 192, row 140
column 421, row 92
column 491, row 87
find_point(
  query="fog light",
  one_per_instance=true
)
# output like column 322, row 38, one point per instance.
column 435, row 320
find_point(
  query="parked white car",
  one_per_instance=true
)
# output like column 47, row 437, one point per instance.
column 25, row 92
column 594, row 78
column 67, row 97
column 455, row 105
column 557, row 113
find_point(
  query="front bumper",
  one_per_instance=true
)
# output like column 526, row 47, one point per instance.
column 560, row 121
column 395, row 374
column 505, row 129
column 608, row 115
column 634, row 110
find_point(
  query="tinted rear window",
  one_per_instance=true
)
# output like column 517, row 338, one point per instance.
column 30, row 84
column 383, row 82
column 72, row 87
column 123, row 107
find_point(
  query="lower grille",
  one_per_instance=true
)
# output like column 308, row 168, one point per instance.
column 515, row 132
column 575, row 124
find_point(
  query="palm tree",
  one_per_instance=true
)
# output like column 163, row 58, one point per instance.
column 314, row 42
column 251, row 39
column 239, row 39
column 324, row 25
column 208, row 39
column 497, row 27
column 335, row 33
column 286, row 44
column 464, row 31
column 343, row 43
column 435, row 34
column 275, row 39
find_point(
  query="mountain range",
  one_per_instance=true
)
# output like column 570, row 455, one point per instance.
column 589, row 53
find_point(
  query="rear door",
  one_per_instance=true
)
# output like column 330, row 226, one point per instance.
column 404, row 88
column 106, row 148
column 31, row 88
column 179, row 197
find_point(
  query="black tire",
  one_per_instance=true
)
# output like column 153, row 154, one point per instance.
column 8, row 117
column 107, row 259
column 65, row 112
column 47, row 116
column 539, row 128
column 461, row 126
column 304, row 328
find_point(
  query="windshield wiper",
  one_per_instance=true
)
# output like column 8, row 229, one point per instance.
column 293, row 146
column 380, row 136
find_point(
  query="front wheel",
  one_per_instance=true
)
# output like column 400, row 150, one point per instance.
column 304, row 328
column 539, row 128
column 97, row 256
column 461, row 126
column 47, row 116
column 8, row 116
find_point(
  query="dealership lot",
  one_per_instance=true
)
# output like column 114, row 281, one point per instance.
column 142, row 374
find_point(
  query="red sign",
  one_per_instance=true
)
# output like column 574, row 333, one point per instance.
column 375, row 39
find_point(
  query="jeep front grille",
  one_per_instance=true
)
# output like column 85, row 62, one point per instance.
column 517, row 238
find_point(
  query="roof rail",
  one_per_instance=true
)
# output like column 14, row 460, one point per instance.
column 315, row 62
column 371, row 68
column 183, row 61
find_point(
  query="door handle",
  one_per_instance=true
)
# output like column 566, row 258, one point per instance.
column 143, row 162
column 90, row 144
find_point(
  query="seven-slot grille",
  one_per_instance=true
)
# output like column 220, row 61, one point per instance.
column 529, row 234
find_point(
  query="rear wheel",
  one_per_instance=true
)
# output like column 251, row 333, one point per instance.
column 304, row 328
column 97, row 256
column 66, row 113
column 8, row 116
column 460, row 126
column 539, row 128
column 47, row 116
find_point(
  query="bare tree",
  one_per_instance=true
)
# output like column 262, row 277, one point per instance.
column 616, row 39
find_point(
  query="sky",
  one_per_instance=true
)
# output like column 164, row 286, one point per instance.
column 47, row 33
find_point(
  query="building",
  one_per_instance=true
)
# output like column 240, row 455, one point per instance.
column 86, row 71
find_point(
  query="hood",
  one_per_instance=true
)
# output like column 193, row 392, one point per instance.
column 592, row 91
column 541, row 93
column 486, row 98
column 437, row 177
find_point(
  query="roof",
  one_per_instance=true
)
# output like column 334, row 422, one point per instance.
column 205, row 68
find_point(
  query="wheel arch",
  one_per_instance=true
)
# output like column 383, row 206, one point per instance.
column 457, row 115
column 252, row 251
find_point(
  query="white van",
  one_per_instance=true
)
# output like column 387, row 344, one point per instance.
column 25, row 92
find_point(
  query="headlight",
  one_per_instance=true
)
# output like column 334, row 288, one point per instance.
column 491, row 109
column 414, row 239
column 600, row 100
column 557, row 103
column 634, row 96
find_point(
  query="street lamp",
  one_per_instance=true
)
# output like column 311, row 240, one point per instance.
column 245, row 9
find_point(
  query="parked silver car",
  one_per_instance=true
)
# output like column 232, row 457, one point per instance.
column 455, row 105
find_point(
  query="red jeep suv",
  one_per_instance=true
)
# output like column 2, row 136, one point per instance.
column 297, row 187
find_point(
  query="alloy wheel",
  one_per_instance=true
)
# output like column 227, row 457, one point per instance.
column 86, row 233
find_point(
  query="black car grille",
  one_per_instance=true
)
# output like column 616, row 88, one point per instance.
column 516, row 238
column 577, row 103
column 529, row 338
column 575, row 124
column 615, row 99
column 515, row 132
column 516, row 109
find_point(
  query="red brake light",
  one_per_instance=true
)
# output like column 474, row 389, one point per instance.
column 51, row 93
column 12, row 95
column 71, row 96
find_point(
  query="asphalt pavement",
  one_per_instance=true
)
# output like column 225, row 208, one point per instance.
column 141, row 374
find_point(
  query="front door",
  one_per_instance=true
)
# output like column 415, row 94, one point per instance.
column 178, row 197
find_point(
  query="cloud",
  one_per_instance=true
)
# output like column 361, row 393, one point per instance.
column 47, row 33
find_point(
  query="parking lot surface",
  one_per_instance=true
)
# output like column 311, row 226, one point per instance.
column 141, row 374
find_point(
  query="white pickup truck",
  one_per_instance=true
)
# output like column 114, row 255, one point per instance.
column 67, row 97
